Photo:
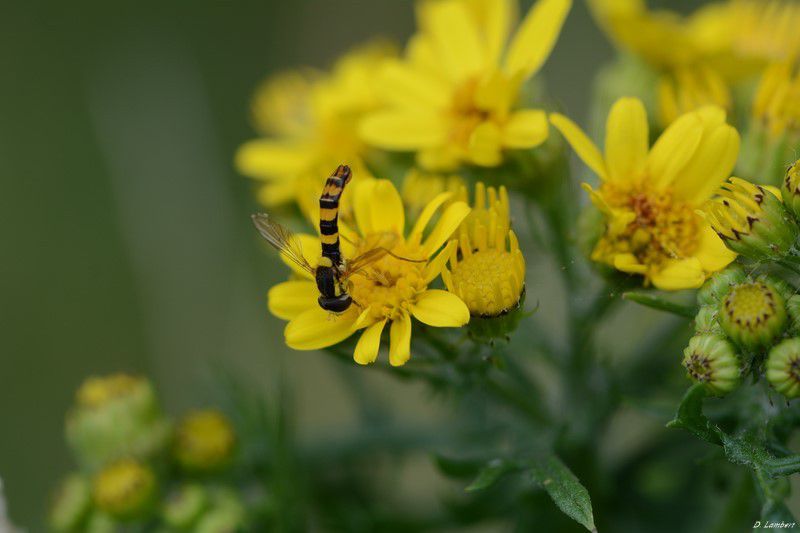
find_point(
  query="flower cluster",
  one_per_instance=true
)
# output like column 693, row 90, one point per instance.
column 138, row 467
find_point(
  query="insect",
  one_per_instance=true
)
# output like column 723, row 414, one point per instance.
column 333, row 271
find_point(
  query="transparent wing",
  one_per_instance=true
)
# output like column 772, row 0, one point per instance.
column 282, row 240
column 359, row 263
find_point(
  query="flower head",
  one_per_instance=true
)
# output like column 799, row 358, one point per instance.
column 783, row 367
column 487, row 269
column 776, row 106
column 204, row 441
column 686, row 89
column 309, row 121
column 124, row 489
column 712, row 361
column 751, row 220
column 456, row 95
column 390, row 291
column 753, row 314
column 114, row 416
column 649, row 197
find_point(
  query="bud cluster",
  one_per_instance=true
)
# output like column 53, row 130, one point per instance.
column 745, row 324
column 137, row 466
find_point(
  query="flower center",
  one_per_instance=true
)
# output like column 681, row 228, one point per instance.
column 466, row 115
column 750, row 305
column 390, row 285
column 660, row 228
column 485, row 281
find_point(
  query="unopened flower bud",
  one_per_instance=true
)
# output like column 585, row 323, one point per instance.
column 712, row 361
column 705, row 322
column 184, row 506
column 116, row 416
column 70, row 505
column 100, row 522
column 793, row 310
column 783, row 367
column 204, row 441
column 719, row 285
column 751, row 220
column 226, row 514
column 753, row 314
column 125, row 489
column 790, row 189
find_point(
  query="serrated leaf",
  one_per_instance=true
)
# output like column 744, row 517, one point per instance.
column 691, row 418
column 493, row 471
column 565, row 490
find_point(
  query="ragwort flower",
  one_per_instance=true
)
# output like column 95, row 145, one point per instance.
column 309, row 121
column 649, row 197
column 455, row 96
column 391, row 292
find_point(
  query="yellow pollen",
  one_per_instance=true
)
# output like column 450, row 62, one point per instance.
column 389, row 286
column 489, row 281
column 660, row 229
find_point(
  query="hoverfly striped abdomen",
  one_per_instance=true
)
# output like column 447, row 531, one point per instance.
column 329, row 214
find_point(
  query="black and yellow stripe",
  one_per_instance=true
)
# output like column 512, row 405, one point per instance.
column 329, row 213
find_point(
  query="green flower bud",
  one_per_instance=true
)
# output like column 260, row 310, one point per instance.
column 226, row 514
column 783, row 367
column 116, row 416
column 706, row 321
column 70, row 505
column 125, row 489
column 790, row 189
column 751, row 220
column 204, row 441
column 753, row 314
column 712, row 361
column 487, row 330
column 719, row 285
column 184, row 506
column 793, row 310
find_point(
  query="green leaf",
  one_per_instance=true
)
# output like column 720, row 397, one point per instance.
column 691, row 418
column 457, row 468
column 493, row 471
column 565, row 490
column 659, row 303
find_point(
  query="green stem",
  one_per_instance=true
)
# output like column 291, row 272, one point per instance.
column 784, row 466
column 656, row 302
column 789, row 265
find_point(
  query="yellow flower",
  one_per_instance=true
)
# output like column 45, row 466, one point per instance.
column 776, row 105
column 689, row 88
column 124, row 489
column 204, row 441
column 391, row 292
column 456, row 96
column 649, row 197
column 487, row 271
column 735, row 37
column 309, row 122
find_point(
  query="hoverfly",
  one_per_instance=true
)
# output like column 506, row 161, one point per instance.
column 333, row 271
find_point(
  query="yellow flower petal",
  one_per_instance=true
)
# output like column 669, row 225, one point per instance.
column 454, row 36
column 387, row 208
column 266, row 159
column 404, row 86
column 316, row 328
column 310, row 248
column 289, row 299
column 628, row 263
column 400, row 340
column 627, row 140
column 427, row 213
column 582, row 145
column 276, row 192
column 711, row 165
column 440, row 309
column 368, row 344
column 484, row 145
column 435, row 265
column 712, row 252
column 497, row 17
column 673, row 150
column 525, row 129
column 678, row 275
column 536, row 36
column 402, row 130
column 362, row 205
column 447, row 224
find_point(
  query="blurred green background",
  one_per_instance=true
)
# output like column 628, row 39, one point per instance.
column 126, row 235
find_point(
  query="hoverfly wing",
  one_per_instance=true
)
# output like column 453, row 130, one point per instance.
column 282, row 240
column 359, row 263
